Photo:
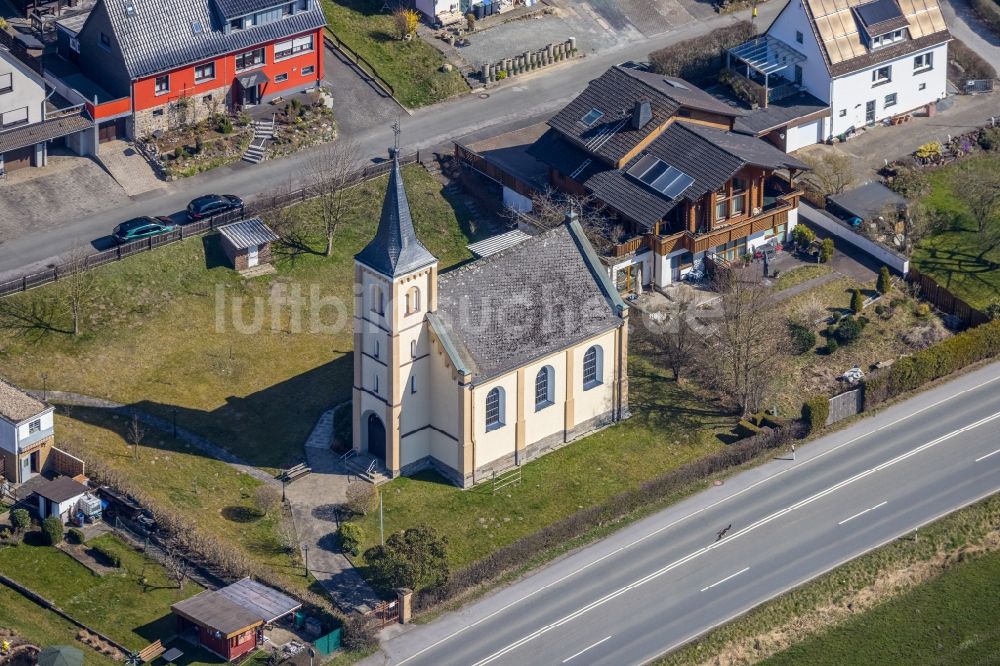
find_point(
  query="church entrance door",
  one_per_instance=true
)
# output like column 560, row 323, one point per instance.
column 376, row 437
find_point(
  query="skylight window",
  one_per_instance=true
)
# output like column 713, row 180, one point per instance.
column 675, row 84
column 660, row 176
column 129, row 7
column 592, row 117
column 196, row 27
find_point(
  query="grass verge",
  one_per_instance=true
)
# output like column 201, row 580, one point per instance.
column 800, row 274
column 837, row 600
column 413, row 67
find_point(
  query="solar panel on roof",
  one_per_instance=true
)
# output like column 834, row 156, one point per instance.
column 129, row 8
column 878, row 11
column 660, row 176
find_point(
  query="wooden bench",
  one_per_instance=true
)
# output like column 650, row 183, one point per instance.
column 151, row 652
column 292, row 473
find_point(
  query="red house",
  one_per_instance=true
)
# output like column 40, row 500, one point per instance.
column 159, row 65
column 230, row 621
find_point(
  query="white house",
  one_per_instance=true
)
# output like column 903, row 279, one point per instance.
column 867, row 60
column 25, row 127
column 60, row 498
column 26, row 433
column 488, row 364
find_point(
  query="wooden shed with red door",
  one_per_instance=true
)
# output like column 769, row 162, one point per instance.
column 230, row 621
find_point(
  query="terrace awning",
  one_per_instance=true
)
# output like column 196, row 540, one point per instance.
column 766, row 54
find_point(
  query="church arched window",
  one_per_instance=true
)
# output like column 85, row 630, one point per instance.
column 494, row 408
column 544, row 388
column 593, row 367
column 412, row 300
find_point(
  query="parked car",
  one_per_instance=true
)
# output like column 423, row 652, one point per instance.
column 212, row 204
column 142, row 227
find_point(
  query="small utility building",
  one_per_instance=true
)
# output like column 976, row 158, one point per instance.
column 60, row 498
column 247, row 243
column 230, row 621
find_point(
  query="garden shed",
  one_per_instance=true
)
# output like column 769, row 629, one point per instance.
column 865, row 203
column 230, row 621
column 60, row 498
column 247, row 243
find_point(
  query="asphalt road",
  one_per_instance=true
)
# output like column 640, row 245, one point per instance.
column 669, row 578
column 522, row 102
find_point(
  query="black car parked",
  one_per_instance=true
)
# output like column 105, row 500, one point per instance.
column 212, row 204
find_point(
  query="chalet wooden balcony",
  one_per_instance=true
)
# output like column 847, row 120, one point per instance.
column 774, row 214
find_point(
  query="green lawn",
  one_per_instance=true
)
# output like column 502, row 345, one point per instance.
column 116, row 604
column 151, row 339
column 952, row 620
column 955, row 256
column 412, row 68
column 670, row 426
column 41, row 627
column 800, row 274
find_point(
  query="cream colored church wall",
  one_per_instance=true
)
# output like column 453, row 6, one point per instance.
column 550, row 419
column 600, row 399
column 500, row 441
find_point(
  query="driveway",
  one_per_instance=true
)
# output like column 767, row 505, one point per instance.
column 357, row 102
column 870, row 150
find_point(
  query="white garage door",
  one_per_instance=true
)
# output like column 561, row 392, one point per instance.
column 803, row 135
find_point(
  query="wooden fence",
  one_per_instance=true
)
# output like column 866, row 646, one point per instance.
column 944, row 300
column 119, row 252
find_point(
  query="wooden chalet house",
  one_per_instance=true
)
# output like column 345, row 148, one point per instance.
column 661, row 157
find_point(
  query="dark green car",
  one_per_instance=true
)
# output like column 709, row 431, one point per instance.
column 142, row 227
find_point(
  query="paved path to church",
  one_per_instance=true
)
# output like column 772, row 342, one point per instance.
column 315, row 500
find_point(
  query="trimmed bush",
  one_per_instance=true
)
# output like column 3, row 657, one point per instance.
column 747, row 428
column 826, row 251
column 944, row 358
column 815, row 411
column 857, row 302
column 20, row 519
column 989, row 138
column 849, row 330
column 802, row 235
column 75, row 536
column 973, row 65
column 884, row 282
column 803, row 339
column 831, row 345
column 358, row 634
column 351, row 536
column 111, row 557
column 700, row 58
column 52, row 528
column 612, row 510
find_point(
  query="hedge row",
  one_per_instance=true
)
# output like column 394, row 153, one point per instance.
column 971, row 346
column 701, row 58
column 815, row 412
column 612, row 510
column 973, row 65
column 110, row 556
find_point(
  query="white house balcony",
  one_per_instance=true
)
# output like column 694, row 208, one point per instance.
column 764, row 70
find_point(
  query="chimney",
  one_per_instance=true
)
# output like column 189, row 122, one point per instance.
column 641, row 114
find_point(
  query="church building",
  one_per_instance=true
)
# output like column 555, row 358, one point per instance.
column 489, row 364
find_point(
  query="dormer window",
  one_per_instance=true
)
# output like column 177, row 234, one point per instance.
column 592, row 117
column 888, row 38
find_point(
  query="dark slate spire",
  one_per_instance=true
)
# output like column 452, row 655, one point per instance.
column 395, row 250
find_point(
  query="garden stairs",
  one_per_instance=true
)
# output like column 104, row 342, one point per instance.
column 263, row 131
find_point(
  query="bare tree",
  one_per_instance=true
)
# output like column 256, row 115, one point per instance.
column 135, row 434
column 79, row 286
column 906, row 224
column 293, row 228
column 549, row 210
column 979, row 187
column 680, row 340
column 267, row 498
column 747, row 340
column 176, row 566
column 333, row 168
column 832, row 173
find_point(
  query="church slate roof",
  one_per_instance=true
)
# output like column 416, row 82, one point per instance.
column 395, row 250
column 158, row 35
column 527, row 302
